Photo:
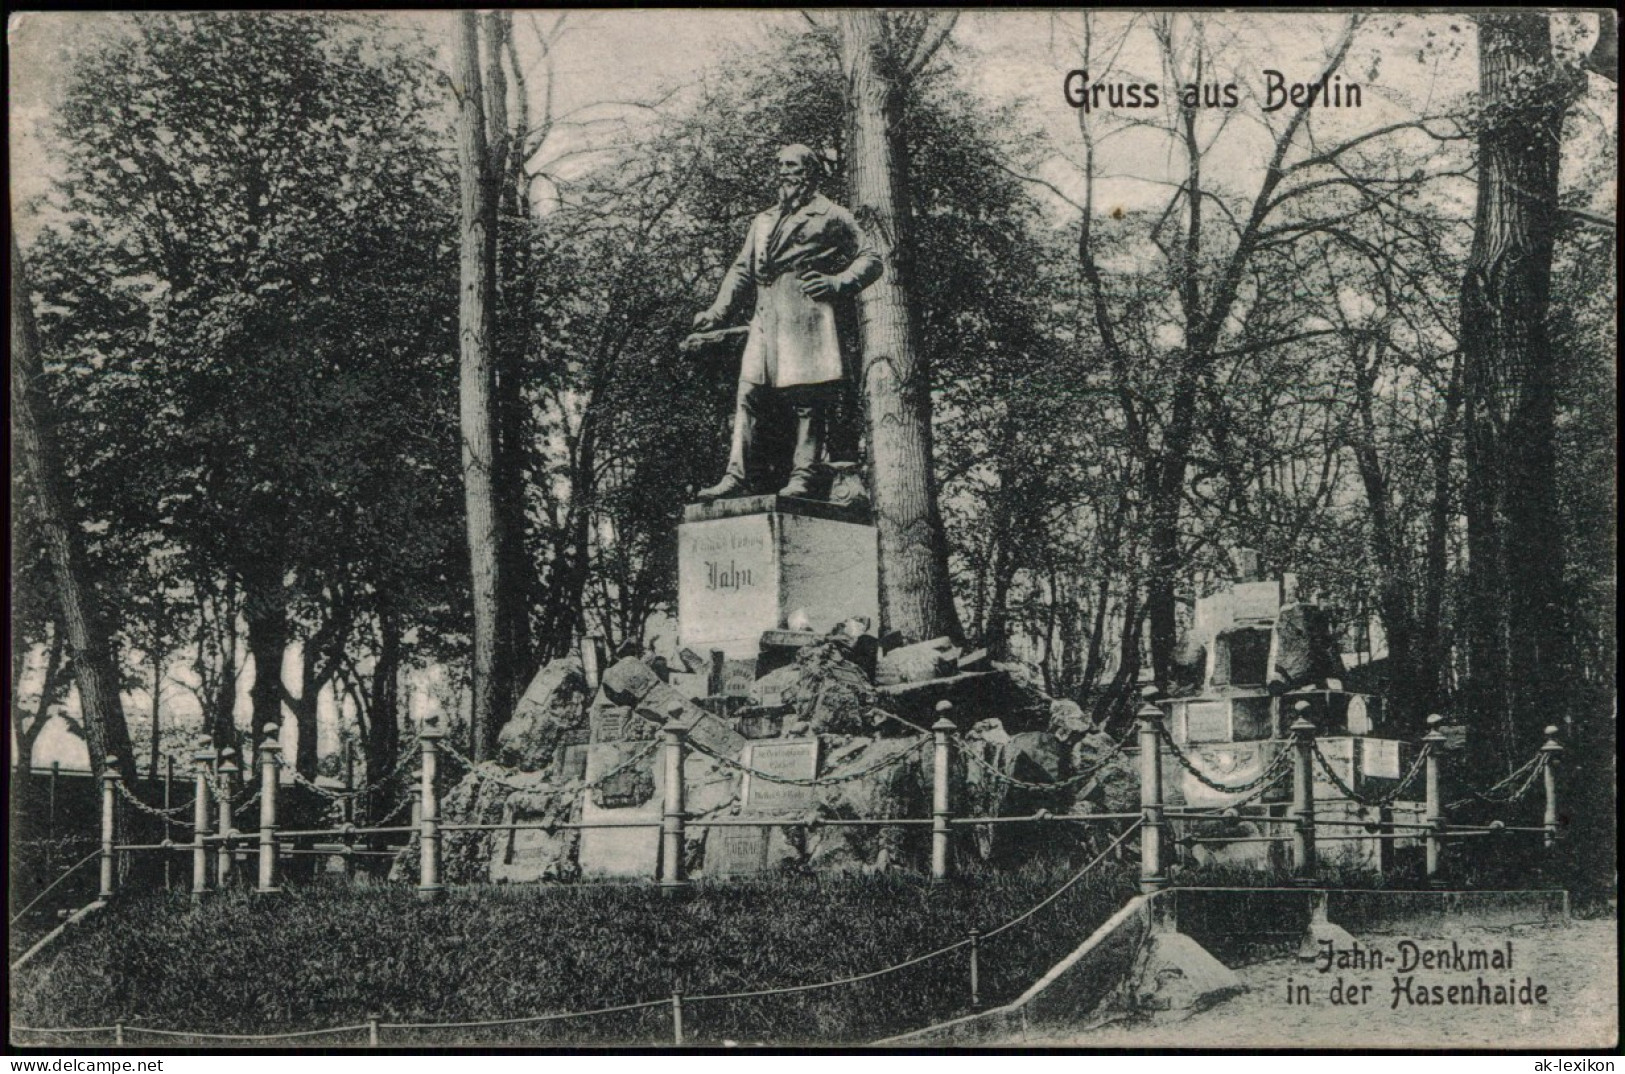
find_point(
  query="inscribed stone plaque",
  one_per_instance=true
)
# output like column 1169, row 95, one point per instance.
column 741, row 575
column 791, row 760
column 1379, row 758
column 1207, row 721
column 571, row 762
column 625, row 852
column 609, row 724
column 732, row 851
column 737, row 677
column 727, row 583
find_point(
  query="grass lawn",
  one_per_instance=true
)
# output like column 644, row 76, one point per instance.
column 328, row 955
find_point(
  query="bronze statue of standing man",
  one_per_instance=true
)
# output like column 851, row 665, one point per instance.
column 803, row 262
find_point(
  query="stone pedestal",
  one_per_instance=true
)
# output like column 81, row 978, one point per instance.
column 750, row 564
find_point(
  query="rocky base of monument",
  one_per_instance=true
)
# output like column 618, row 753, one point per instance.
column 837, row 732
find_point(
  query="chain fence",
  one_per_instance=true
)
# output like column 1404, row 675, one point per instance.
column 1392, row 794
column 487, row 777
column 122, row 1031
column 816, row 781
column 1271, row 773
column 966, row 750
column 151, row 810
column 1501, row 792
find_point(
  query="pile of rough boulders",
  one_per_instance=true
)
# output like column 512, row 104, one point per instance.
column 572, row 752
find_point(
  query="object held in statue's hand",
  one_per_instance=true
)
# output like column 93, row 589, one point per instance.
column 699, row 341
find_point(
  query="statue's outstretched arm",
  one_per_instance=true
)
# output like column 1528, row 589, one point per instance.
column 737, row 288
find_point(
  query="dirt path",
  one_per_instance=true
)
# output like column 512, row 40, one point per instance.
column 1577, row 964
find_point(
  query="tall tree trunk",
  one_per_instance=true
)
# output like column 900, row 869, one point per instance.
column 265, row 607
column 305, row 709
column 1515, row 620
column 475, row 387
column 1395, row 583
column 157, row 739
column 383, row 741
column 915, row 598
column 509, row 341
column 34, row 423
column 1433, row 645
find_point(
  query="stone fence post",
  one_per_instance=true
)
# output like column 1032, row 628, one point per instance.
column 227, row 778
column 270, row 749
column 200, row 820
column 939, row 792
column 1550, row 751
column 1151, row 802
column 671, row 821
column 1434, row 815
column 429, row 886
column 1303, row 795
column 110, row 778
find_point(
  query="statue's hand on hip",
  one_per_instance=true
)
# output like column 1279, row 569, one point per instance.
column 817, row 286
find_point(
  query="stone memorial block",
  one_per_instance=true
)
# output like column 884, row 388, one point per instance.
column 731, row 852
column 790, row 759
column 1251, row 718
column 1213, row 614
column 1255, row 600
column 715, row 735
column 530, row 854
column 1359, row 715
column 745, row 566
column 636, row 793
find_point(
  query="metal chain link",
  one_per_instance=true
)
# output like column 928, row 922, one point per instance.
column 245, row 804
column 1262, row 779
column 1071, row 781
column 1529, row 770
column 486, row 777
column 1262, row 789
column 151, row 811
column 817, row 781
column 400, row 806
column 1374, row 803
column 404, row 756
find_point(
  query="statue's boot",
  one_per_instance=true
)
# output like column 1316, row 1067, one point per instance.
column 744, row 452
column 728, row 487
column 808, row 476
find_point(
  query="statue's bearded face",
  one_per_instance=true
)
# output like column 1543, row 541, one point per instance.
column 796, row 180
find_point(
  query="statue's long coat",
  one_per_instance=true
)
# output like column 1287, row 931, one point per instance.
column 794, row 339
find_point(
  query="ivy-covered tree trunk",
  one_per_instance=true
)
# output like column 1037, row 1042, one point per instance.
column 476, row 388
column 915, row 598
column 1515, row 621
column 106, row 734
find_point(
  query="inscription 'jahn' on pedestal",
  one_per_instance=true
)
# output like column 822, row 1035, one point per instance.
column 727, row 576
